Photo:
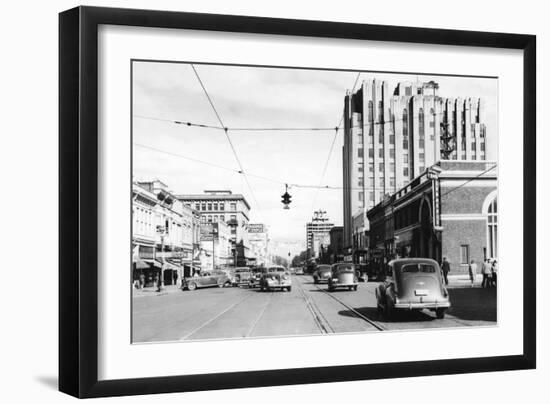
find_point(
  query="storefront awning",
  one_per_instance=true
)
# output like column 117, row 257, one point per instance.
column 143, row 263
column 168, row 265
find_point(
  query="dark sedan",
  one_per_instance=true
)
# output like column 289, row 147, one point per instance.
column 413, row 284
column 206, row 279
column 322, row 274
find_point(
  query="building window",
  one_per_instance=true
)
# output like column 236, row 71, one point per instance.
column 421, row 123
column 381, row 138
column 405, row 123
column 406, row 171
column 222, row 206
column 421, row 156
column 421, row 143
column 492, row 223
column 371, row 196
column 209, row 218
column 360, row 182
column 381, row 183
column 464, row 254
column 360, row 168
column 370, row 112
column 360, row 196
column 392, row 182
column 482, row 146
column 222, row 218
column 421, row 169
column 392, row 167
column 473, row 146
column 360, row 152
column 405, row 144
column 406, row 158
column 381, row 167
column 215, row 206
column 233, row 206
column 392, row 153
column 203, row 206
column 233, row 217
column 197, row 206
column 392, row 139
column 381, row 153
column 371, row 168
column 215, row 218
column 209, row 206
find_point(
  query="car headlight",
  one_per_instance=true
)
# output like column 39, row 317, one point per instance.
column 285, row 277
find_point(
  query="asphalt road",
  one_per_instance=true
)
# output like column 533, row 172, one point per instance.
column 232, row 312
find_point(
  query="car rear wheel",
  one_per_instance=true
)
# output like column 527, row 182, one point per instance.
column 289, row 288
column 192, row 286
column 440, row 313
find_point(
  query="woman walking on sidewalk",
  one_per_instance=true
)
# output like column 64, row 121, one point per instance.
column 472, row 269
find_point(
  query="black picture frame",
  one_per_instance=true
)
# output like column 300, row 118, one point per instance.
column 78, row 200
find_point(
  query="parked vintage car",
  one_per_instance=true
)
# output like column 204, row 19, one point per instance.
column 242, row 276
column 413, row 284
column 257, row 273
column 299, row 271
column 322, row 274
column 344, row 275
column 276, row 277
column 206, row 279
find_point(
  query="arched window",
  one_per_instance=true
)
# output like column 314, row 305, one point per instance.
column 492, row 224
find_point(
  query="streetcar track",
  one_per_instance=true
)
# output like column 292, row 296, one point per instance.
column 320, row 320
column 194, row 331
column 373, row 323
column 255, row 323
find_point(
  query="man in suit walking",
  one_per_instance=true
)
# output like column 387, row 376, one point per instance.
column 445, row 268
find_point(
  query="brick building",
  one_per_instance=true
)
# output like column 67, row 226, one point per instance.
column 448, row 211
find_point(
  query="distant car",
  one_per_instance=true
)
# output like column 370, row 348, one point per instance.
column 299, row 271
column 206, row 279
column 344, row 275
column 275, row 277
column 322, row 274
column 413, row 284
column 242, row 276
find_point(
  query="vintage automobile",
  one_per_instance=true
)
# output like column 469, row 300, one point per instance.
column 322, row 274
column 257, row 273
column 413, row 284
column 344, row 275
column 276, row 277
column 206, row 279
column 299, row 271
column 242, row 276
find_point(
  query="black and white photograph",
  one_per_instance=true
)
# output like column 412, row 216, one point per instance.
column 282, row 202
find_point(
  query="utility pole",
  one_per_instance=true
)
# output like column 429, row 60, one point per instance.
column 160, row 285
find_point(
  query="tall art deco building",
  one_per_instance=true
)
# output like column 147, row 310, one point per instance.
column 390, row 137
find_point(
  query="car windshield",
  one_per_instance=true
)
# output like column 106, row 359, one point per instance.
column 416, row 267
column 324, row 268
column 344, row 267
column 276, row 269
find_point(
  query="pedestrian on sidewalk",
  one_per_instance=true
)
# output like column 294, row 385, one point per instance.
column 472, row 269
column 486, row 272
column 445, row 268
column 494, row 270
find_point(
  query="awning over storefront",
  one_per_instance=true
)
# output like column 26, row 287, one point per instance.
column 168, row 265
column 143, row 263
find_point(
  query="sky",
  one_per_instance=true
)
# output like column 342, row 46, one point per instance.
column 192, row 159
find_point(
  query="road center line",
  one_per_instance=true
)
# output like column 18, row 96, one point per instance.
column 186, row 336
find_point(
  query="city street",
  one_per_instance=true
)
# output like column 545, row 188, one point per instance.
column 232, row 312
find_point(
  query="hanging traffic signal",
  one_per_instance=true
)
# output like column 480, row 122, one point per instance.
column 286, row 198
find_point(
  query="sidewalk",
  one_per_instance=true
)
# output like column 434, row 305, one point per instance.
column 463, row 281
column 152, row 291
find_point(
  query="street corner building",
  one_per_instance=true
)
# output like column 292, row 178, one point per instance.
column 449, row 211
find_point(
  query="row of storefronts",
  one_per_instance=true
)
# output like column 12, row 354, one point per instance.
column 448, row 211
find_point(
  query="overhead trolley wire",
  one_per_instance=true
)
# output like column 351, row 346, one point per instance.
column 228, row 139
